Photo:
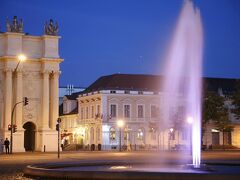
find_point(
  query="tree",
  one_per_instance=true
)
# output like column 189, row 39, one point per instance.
column 223, row 123
column 236, row 100
column 212, row 105
column 215, row 110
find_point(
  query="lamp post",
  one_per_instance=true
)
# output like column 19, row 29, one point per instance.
column 190, row 121
column 20, row 58
column 58, row 130
column 120, row 124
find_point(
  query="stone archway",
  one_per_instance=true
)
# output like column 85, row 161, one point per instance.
column 29, row 136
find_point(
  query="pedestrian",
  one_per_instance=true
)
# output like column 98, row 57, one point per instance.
column 6, row 144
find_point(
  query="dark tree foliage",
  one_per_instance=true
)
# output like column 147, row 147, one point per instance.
column 215, row 110
column 212, row 106
column 236, row 100
column 223, row 123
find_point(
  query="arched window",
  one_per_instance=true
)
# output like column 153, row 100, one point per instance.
column 98, row 134
column 92, row 134
column 86, row 134
column 140, row 134
column 112, row 134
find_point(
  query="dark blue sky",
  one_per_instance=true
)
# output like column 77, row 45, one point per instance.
column 101, row 37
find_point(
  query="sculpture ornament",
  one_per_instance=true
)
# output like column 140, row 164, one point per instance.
column 51, row 29
column 15, row 26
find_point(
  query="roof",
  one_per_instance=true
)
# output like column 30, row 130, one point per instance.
column 145, row 82
column 138, row 82
column 73, row 96
column 228, row 86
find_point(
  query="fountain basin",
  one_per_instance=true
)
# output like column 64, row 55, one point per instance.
column 125, row 170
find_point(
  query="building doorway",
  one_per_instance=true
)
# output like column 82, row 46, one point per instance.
column 215, row 138
column 29, row 136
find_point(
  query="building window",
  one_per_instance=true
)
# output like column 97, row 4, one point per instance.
column 127, row 110
column 140, row 134
column 82, row 111
column 72, row 123
column 153, row 135
column 98, row 134
column 140, row 111
column 172, row 135
column 113, row 110
column 98, row 109
column 86, row 112
column 92, row 135
column 92, row 111
column 154, row 111
column 112, row 134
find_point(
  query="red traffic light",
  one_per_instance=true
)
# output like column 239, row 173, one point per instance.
column 9, row 127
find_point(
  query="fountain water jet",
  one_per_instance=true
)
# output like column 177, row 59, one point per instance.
column 183, row 70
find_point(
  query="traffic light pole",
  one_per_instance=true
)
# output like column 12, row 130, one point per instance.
column 11, row 137
column 25, row 101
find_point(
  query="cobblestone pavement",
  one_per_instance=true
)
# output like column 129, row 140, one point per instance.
column 12, row 166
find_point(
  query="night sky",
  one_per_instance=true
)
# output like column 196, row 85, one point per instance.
column 102, row 37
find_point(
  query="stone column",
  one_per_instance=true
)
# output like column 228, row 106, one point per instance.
column 45, row 101
column 19, row 98
column 54, row 99
column 8, row 97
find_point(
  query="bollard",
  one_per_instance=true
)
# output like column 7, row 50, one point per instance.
column 44, row 148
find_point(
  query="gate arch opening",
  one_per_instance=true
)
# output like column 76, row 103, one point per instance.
column 29, row 136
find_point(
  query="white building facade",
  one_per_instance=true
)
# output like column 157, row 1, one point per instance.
column 90, row 117
column 37, row 78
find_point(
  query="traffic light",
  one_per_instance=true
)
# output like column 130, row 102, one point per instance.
column 59, row 120
column 9, row 127
column 57, row 126
column 25, row 101
column 14, row 128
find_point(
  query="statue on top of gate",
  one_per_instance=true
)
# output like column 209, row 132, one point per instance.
column 15, row 26
column 51, row 29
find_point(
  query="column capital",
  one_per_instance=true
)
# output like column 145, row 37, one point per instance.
column 56, row 73
column 8, row 70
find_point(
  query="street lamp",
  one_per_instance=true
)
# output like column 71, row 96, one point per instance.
column 21, row 58
column 120, row 124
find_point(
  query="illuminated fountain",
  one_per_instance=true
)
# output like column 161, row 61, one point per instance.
column 183, row 72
